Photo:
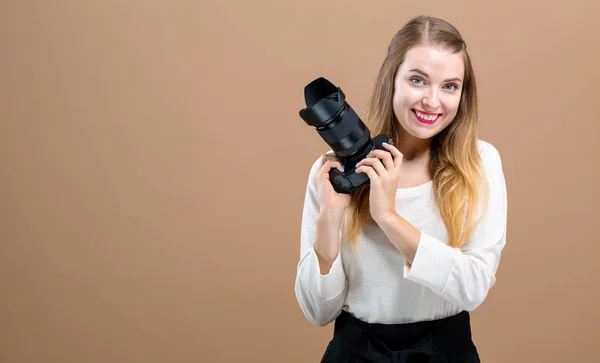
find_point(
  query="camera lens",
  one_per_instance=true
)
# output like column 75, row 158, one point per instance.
column 335, row 121
column 341, row 128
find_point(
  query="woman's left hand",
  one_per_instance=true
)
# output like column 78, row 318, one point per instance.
column 383, row 179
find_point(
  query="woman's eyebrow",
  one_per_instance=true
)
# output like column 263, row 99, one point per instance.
column 455, row 79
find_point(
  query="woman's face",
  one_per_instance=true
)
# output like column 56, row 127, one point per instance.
column 427, row 90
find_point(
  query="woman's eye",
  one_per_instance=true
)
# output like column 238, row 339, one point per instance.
column 451, row 87
column 416, row 80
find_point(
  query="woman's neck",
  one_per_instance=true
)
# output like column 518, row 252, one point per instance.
column 413, row 149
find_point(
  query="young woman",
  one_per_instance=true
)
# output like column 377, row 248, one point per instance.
column 400, row 264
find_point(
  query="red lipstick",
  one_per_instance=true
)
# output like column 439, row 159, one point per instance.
column 425, row 121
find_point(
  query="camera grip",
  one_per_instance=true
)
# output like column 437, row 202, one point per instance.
column 349, row 181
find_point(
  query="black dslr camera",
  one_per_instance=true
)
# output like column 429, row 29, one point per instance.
column 341, row 128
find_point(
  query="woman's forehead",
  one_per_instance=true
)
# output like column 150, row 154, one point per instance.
column 436, row 62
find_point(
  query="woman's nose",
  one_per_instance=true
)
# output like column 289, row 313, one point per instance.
column 432, row 100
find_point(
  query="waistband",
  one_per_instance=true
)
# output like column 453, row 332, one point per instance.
column 397, row 342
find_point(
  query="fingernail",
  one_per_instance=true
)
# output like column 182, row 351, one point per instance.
column 385, row 143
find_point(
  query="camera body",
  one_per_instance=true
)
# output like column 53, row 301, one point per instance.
column 341, row 128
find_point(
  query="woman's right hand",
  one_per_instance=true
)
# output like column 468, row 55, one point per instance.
column 331, row 202
column 331, row 213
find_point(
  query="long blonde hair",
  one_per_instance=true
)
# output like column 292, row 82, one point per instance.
column 455, row 164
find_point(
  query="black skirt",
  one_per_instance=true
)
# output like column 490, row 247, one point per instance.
column 445, row 340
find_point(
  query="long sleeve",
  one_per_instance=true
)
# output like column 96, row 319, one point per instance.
column 463, row 276
column 320, row 296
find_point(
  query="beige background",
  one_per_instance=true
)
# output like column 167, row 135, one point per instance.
column 154, row 167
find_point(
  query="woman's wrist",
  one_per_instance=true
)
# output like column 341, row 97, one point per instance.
column 327, row 239
column 330, row 216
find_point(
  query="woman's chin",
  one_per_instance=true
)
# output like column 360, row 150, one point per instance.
column 421, row 133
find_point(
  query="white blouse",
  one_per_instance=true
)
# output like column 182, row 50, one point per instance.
column 378, row 286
